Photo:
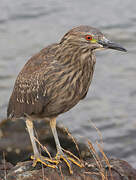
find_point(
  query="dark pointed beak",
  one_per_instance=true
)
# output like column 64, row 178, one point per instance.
column 111, row 45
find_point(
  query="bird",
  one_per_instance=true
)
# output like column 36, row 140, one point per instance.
column 54, row 80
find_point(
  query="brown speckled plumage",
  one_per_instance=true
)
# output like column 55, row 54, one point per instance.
column 55, row 79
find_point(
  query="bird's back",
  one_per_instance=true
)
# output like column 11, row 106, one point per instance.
column 51, row 82
column 28, row 95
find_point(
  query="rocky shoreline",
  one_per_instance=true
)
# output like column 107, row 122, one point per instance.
column 15, row 152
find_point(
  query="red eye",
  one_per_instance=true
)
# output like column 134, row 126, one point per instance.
column 88, row 37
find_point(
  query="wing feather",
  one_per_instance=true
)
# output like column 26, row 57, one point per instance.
column 30, row 90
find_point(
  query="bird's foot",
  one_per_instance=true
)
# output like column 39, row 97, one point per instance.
column 43, row 160
column 53, row 162
column 68, row 159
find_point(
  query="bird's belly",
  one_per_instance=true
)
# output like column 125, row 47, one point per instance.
column 60, row 105
column 70, row 89
column 67, row 98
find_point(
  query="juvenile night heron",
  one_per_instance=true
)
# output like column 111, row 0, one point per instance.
column 55, row 80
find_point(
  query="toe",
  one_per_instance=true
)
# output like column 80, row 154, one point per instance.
column 68, row 160
column 45, row 161
column 75, row 162
column 64, row 157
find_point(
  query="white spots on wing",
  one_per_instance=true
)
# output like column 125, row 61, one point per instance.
column 33, row 102
column 44, row 93
column 22, row 100
column 37, row 83
column 29, row 90
column 35, row 99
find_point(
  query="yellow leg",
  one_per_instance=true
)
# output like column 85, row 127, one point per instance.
column 37, row 157
column 60, row 154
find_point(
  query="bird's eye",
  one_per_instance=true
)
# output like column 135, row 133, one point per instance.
column 88, row 37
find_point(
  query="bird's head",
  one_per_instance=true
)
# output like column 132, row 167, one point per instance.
column 89, row 37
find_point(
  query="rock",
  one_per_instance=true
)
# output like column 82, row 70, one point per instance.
column 120, row 170
column 15, row 147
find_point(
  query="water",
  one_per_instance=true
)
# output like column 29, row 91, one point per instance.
column 26, row 27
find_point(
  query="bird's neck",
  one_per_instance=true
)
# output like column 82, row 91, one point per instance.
column 74, row 55
column 78, row 63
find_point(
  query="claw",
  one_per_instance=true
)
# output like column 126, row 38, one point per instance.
column 75, row 162
column 43, row 160
column 68, row 160
column 54, row 162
